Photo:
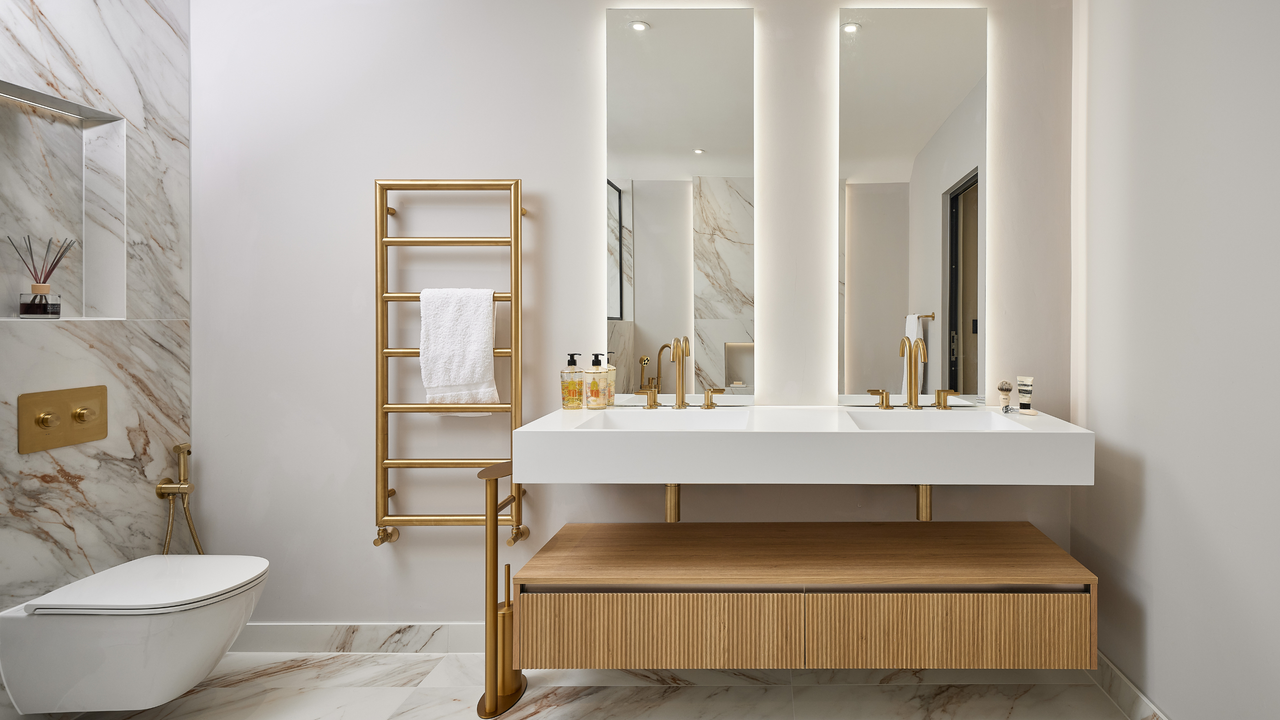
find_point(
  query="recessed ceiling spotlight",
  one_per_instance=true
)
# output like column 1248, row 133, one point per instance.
column 850, row 27
column 639, row 25
column 698, row 151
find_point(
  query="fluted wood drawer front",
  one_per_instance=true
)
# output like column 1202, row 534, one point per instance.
column 948, row 630
column 661, row 630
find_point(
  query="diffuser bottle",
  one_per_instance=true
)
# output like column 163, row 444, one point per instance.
column 595, row 383
column 571, row 384
column 39, row 304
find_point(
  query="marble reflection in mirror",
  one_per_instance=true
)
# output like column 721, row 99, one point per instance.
column 913, row 147
column 680, row 197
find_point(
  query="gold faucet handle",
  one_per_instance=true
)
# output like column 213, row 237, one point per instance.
column 652, row 395
column 940, row 398
column 707, row 402
column 883, row 402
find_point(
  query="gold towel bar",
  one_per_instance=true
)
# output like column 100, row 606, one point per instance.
column 923, row 317
column 445, row 407
column 443, row 241
column 415, row 297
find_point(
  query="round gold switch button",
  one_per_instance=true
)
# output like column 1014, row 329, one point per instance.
column 48, row 420
column 84, row 414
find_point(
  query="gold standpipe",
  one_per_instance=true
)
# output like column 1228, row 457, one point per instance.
column 924, row 503
column 883, row 403
column 707, row 402
column 644, row 363
column 673, row 502
column 917, row 353
column 679, row 351
column 657, row 383
column 167, row 489
column 503, row 685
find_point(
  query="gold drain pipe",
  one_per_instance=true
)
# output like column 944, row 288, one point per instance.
column 673, row 503
column 924, row 503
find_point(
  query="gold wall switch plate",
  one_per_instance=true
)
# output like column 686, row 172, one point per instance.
column 58, row 418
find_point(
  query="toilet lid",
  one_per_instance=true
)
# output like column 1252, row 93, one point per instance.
column 155, row 584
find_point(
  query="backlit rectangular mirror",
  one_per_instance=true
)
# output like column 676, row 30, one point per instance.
column 680, row 196
column 913, row 147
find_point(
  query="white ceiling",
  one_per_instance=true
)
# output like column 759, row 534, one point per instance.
column 901, row 76
column 686, row 82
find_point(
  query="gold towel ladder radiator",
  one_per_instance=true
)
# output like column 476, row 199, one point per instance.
column 388, row 524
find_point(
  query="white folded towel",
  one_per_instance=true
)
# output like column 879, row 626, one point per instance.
column 456, row 351
column 914, row 331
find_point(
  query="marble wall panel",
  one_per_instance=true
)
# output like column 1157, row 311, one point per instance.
column 622, row 345
column 41, row 195
column 73, row 511
column 129, row 58
column 69, row 512
column 613, row 272
column 724, row 273
column 622, row 251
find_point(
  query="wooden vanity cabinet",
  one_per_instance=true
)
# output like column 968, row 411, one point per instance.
column 805, row 595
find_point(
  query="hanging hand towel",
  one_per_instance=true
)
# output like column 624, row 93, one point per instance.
column 913, row 331
column 456, row 351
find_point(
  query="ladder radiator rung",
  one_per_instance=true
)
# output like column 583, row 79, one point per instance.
column 413, row 352
column 445, row 241
column 440, row 463
column 415, row 297
column 441, row 520
column 445, row 408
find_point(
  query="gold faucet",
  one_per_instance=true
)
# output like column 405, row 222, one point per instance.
column 918, row 354
column 657, row 384
column 644, row 363
column 883, row 402
column 707, row 402
column 679, row 351
column 651, row 395
column 940, row 398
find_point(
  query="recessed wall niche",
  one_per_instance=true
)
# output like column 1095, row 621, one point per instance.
column 62, row 175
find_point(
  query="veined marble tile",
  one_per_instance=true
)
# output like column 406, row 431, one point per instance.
column 363, row 638
column 1122, row 692
column 131, row 59
column 457, row 670
column 41, row 195
column 259, row 703
column 614, row 703
column 708, row 355
column 954, row 702
column 443, row 703
column 939, row 677
column 72, row 511
column 622, row 344
column 105, row 249
column 723, row 248
column 613, row 270
column 312, row 670
column 678, row 678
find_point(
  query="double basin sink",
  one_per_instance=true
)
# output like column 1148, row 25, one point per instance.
column 803, row 445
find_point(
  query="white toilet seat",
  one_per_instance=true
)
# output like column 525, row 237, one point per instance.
column 154, row 585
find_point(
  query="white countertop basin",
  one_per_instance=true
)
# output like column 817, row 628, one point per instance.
column 932, row 420
column 802, row 445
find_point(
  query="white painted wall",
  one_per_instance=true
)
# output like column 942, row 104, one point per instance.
column 663, row 212
column 1181, row 296
column 959, row 146
column 298, row 107
column 877, row 229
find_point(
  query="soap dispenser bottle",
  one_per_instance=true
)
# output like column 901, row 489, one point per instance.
column 613, row 377
column 596, row 384
column 571, row 384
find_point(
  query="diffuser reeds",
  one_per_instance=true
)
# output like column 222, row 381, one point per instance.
column 40, row 274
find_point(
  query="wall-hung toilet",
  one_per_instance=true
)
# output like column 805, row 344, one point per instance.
column 128, row 638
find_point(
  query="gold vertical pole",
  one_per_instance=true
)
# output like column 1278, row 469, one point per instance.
column 518, row 530
column 382, row 508
column 673, row 503
column 924, row 502
column 490, row 699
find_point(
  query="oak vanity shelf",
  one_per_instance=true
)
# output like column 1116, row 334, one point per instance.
column 805, row 595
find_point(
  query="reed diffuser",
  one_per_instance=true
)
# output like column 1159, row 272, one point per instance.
column 39, row 304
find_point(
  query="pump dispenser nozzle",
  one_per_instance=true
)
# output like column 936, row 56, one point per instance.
column 573, row 359
column 595, row 359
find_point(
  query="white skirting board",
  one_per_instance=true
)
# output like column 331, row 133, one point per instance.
column 361, row 637
column 1128, row 698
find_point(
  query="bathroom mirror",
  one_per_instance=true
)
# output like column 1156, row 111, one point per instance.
column 679, row 193
column 913, row 146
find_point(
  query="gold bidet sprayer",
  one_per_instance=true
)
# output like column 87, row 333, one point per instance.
column 170, row 490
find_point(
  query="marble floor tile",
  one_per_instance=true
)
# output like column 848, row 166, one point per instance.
column 457, row 670
column 259, row 703
column 330, row 670
column 468, row 669
column 617, row 703
column 953, row 702
column 940, row 677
